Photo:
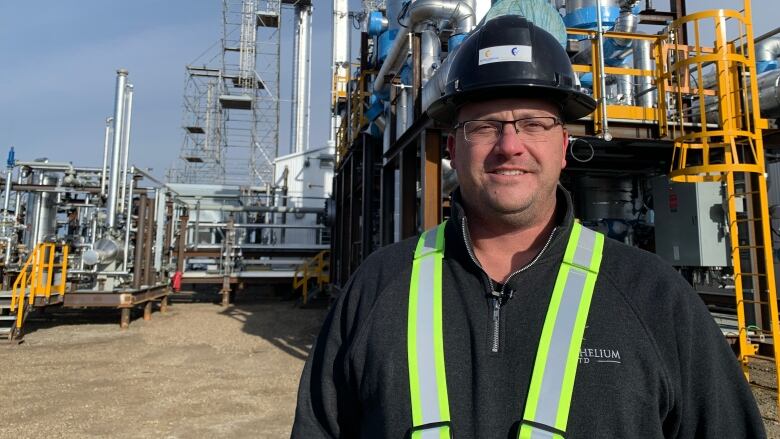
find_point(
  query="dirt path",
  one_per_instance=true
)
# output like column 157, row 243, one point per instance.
column 199, row 371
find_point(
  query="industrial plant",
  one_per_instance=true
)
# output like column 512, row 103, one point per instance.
column 680, row 158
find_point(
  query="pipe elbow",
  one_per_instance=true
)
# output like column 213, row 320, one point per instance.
column 459, row 13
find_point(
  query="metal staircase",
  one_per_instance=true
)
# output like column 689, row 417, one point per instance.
column 718, row 138
column 34, row 287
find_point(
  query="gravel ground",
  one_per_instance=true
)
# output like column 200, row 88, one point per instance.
column 199, row 371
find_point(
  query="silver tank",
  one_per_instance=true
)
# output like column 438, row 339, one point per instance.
column 603, row 198
column 41, row 216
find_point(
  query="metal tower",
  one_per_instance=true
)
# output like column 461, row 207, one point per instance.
column 231, row 111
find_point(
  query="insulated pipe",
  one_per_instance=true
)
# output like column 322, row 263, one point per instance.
column 109, row 122
column 18, row 197
column 437, row 84
column 644, row 95
column 625, row 89
column 126, row 145
column 430, row 48
column 769, row 93
column 460, row 15
column 7, row 198
column 768, row 49
column 119, row 117
column 301, row 69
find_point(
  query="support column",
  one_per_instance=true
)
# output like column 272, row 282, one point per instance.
column 431, row 179
column 409, row 190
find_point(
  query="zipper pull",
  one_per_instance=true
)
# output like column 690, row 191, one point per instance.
column 496, row 322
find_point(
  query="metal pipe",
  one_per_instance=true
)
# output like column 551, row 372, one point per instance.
column 602, row 78
column 261, row 226
column 148, row 242
column 105, row 273
column 430, row 48
column 643, row 60
column 54, row 166
column 301, row 68
column 119, row 117
column 18, row 197
column 139, row 241
column 7, row 196
column 196, row 232
column 129, row 222
column 126, row 145
column 109, row 122
column 460, row 14
column 768, row 49
column 271, row 209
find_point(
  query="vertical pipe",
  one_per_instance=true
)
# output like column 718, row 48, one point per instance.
column 307, row 92
column 196, row 231
column 18, row 197
column 643, row 60
column 119, row 112
column 126, row 252
column 148, row 242
column 7, row 196
column 602, row 77
column 295, row 127
column 126, row 145
column 139, row 241
column 106, row 141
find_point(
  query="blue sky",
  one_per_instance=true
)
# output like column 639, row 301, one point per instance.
column 60, row 59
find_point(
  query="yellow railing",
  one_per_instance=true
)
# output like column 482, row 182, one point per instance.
column 655, row 114
column 36, row 278
column 358, row 99
column 317, row 268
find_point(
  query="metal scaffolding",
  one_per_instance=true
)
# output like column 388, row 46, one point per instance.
column 231, row 111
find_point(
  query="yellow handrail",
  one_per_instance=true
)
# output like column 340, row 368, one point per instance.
column 31, row 278
column 317, row 267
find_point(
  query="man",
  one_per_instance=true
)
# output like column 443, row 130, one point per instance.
column 512, row 320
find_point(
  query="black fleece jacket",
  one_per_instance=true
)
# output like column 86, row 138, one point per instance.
column 653, row 363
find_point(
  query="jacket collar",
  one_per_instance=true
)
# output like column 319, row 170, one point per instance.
column 458, row 243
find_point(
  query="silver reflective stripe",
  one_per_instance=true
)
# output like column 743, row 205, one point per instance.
column 584, row 253
column 429, row 244
column 433, row 433
column 426, row 361
column 555, row 368
column 537, row 433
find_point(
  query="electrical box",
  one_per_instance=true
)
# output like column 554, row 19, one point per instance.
column 690, row 223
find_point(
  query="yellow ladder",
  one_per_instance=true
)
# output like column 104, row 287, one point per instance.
column 729, row 150
column 317, row 268
column 36, row 279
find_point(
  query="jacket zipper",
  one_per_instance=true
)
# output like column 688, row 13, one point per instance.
column 496, row 296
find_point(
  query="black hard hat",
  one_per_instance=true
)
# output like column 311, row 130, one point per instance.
column 507, row 57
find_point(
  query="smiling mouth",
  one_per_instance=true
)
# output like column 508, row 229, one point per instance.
column 508, row 172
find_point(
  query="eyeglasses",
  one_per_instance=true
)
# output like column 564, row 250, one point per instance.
column 489, row 131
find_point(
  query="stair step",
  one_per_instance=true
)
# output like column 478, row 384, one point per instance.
column 2, row 318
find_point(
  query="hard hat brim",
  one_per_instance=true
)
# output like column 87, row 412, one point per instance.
column 574, row 105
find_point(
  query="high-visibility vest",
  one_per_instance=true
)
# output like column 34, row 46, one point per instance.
column 552, row 381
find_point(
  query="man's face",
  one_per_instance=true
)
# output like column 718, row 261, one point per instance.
column 518, row 173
